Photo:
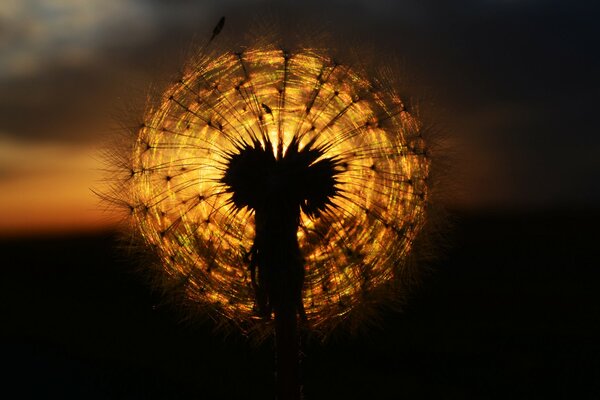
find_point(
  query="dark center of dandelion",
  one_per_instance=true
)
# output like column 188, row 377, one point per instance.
column 277, row 189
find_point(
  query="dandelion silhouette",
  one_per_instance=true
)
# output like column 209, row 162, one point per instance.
column 279, row 184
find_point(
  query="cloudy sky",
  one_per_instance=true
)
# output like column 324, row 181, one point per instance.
column 514, row 83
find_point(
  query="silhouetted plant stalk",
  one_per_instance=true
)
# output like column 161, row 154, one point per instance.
column 278, row 183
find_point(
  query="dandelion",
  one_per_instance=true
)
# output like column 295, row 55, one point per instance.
column 278, row 183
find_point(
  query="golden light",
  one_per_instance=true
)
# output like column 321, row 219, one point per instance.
column 173, row 184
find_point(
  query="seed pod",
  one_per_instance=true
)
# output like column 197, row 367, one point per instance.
column 354, row 238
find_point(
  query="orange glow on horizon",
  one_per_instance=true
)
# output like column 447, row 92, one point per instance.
column 45, row 189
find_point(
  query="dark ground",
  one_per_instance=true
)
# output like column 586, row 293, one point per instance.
column 512, row 312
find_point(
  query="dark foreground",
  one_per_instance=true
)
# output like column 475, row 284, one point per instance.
column 511, row 312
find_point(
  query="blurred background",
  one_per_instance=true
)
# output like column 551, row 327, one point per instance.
column 512, row 307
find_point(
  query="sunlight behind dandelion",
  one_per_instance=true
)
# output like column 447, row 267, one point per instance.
column 178, row 203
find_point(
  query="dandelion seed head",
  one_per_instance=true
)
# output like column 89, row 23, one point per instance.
column 279, row 101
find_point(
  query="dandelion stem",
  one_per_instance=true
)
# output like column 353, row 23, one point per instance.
column 287, row 353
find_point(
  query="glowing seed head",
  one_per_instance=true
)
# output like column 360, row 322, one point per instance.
column 362, row 194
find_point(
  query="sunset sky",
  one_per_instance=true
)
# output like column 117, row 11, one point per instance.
column 506, row 300
column 513, row 83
